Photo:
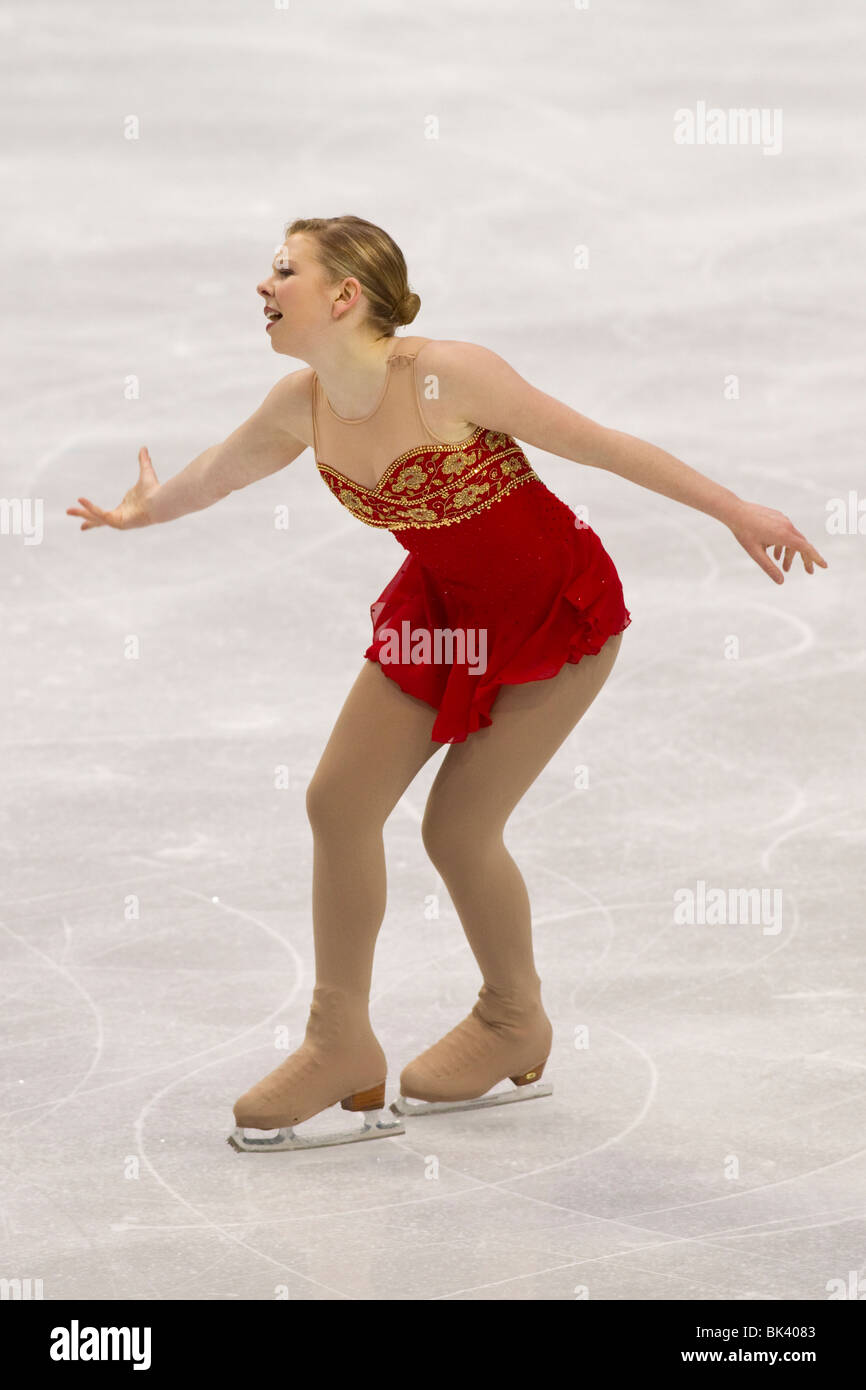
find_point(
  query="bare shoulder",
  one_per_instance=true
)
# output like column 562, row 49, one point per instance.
column 290, row 401
column 453, row 365
column 484, row 388
column 452, row 355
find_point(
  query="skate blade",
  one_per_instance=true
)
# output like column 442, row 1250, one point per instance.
column 374, row 1128
column 405, row 1106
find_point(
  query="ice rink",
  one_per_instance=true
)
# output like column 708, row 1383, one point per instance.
column 167, row 692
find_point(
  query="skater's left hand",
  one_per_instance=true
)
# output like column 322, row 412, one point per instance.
column 757, row 527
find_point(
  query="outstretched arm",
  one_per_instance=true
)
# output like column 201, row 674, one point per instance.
column 486, row 390
column 263, row 444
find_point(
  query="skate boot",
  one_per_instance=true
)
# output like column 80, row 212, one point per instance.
column 340, row 1060
column 506, row 1035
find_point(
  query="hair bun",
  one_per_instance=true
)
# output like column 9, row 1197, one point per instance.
column 407, row 307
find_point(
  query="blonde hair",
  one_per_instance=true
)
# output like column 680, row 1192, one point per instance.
column 350, row 245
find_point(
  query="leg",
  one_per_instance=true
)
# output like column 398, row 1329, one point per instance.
column 475, row 791
column 380, row 740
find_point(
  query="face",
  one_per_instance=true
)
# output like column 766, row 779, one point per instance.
column 297, row 291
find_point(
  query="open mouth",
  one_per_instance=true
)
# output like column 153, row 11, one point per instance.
column 273, row 316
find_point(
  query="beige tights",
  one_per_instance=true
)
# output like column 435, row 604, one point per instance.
column 378, row 744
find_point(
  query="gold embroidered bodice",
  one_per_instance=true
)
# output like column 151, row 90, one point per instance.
column 432, row 482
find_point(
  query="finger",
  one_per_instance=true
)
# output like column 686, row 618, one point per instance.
column 98, row 517
column 97, row 511
column 145, row 462
column 819, row 559
column 777, row 550
column 790, row 552
column 762, row 558
column 809, row 549
column 95, row 516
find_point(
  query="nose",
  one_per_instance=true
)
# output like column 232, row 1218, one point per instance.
column 262, row 288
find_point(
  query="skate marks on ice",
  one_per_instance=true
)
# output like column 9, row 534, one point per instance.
column 615, row 1179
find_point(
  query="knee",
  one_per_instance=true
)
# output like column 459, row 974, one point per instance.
column 451, row 840
column 437, row 836
column 329, row 805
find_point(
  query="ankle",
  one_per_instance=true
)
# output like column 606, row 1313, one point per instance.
column 524, row 991
column 510, row 1004
column 339, row 1015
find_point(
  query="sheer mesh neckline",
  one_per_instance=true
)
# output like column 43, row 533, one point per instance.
column 360, row 419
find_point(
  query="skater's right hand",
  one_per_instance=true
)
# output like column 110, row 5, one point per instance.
column 132, row 511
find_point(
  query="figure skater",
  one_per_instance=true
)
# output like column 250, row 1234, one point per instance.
column 494, row 637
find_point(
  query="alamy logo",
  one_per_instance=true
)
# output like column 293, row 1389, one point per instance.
column 738, row 126
column 729, row 906
column 22, row 516
column 854, row 1288
column 76, row 1343
column 846, row 518
column 20, row 1289
column 434, row 646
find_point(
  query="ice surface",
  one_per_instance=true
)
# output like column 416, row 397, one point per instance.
column 708, row 1142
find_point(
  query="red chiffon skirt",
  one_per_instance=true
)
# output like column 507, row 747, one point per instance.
column 521, row 587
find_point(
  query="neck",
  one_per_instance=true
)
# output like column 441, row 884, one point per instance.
column 352, row 374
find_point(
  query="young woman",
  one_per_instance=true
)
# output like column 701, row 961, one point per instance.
column 494, row 637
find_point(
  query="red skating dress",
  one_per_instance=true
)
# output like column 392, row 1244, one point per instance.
column 502, row 582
